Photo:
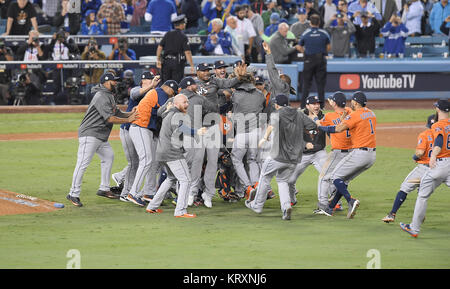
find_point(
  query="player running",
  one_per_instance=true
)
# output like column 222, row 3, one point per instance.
column 421, row 157
column 361, row 124
column 439, row 171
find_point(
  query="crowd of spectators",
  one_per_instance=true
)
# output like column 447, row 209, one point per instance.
column 231, row 27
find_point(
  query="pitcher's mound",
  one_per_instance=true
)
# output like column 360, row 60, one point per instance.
column 13, row 203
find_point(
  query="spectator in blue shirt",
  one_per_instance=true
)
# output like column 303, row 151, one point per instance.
column 438, row 14
column 219, row 42
column 91, row 26
column 412, row 17
column 357, row 7
column 90, row 5
column 214, row 10
column 160, row 13
column 121, row 51
column 273, row 27
column 394, row 33
column 128, row 8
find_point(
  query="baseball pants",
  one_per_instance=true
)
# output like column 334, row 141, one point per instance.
column 152, row 177
column 316, row 159
column 282, row 172
column 417, row 173
column 325, row 185
column 246, row 144
column 145, row 146
column 132, row 159
column 87, row 147
column 432, row 179
column 176, row 171
column 352, row 165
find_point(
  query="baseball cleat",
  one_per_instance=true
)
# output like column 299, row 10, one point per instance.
column 147, row 198
column 74, row 200
column 407, row 229
column 107, row 194
column 287, row 214
column 326, row 211
column 135, row 200
column 156, row 211
column 338, row 207
column 124, row 199
column 352, row 207
column 206, row 201
column 188, row 216
column 389, row 218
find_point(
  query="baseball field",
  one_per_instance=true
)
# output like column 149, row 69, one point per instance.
column 38, row 155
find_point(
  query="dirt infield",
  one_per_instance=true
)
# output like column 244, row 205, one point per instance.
column 12, row 204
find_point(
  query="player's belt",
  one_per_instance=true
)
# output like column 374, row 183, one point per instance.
column 367, row 149
column 342, row 151
column 443, row 159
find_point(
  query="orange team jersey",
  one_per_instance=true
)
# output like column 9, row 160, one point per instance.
column 144, row 108
column 362, row 124
column 341, row 140
column 425, row 143
column 443, row 127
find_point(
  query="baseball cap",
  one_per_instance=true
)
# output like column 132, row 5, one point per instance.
column 187, row 81
column 128, row 73
column 312, row 99
column 203, row 67
column 360, row 98
column 220, row 64
column 430, row 120
column 147, row 75
column 339, row 98
column 274, row 16
column 259, row 80
column 178, row 19
column 301, row 11
column 108, row 76
column 443, row 105
column 282, row 100
column 172, row 84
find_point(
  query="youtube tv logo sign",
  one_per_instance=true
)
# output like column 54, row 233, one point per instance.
column 349, row 81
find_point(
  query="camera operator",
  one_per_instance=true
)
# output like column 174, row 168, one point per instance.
column 60, row 48
column 92, row 75
column 124, row 87
column 6, row 54
column 32, row 49
column 121, row 51
column 25, row 91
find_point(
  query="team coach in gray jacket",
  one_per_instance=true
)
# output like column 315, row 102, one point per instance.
column 280, row 47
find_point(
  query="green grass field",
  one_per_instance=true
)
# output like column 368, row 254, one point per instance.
column 113, row 234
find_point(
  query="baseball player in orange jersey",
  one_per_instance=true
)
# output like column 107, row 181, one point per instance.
column 421, row 157
column 439, row 171
column 361, row 124
column 340, row 147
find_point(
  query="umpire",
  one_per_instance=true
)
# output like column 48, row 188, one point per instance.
column 315, row 44
column 173, row 51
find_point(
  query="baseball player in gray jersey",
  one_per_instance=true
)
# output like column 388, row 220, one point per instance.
column 170, row 152
column 248, row 102
column 439, row 171
column 208, row 86
column 287, row 125
column 148, row 82
column 93, row 135
column 314, row 153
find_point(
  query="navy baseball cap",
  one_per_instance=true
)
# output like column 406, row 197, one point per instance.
column 360, row 98
column 259, row 80
column 431, row 120
column 172, row 84
column 339, row 98
column 147, row 75
column 312, row 99
column 282, row 100
column 203, row 67
column 108, row 76
column 301, row 11
column 187, row 81
column 220, row 64
column 443, row 105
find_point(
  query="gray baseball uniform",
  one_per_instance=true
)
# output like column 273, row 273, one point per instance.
column 93, row 135
column 286, row 151
column 170, row 152
column 248, row 103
